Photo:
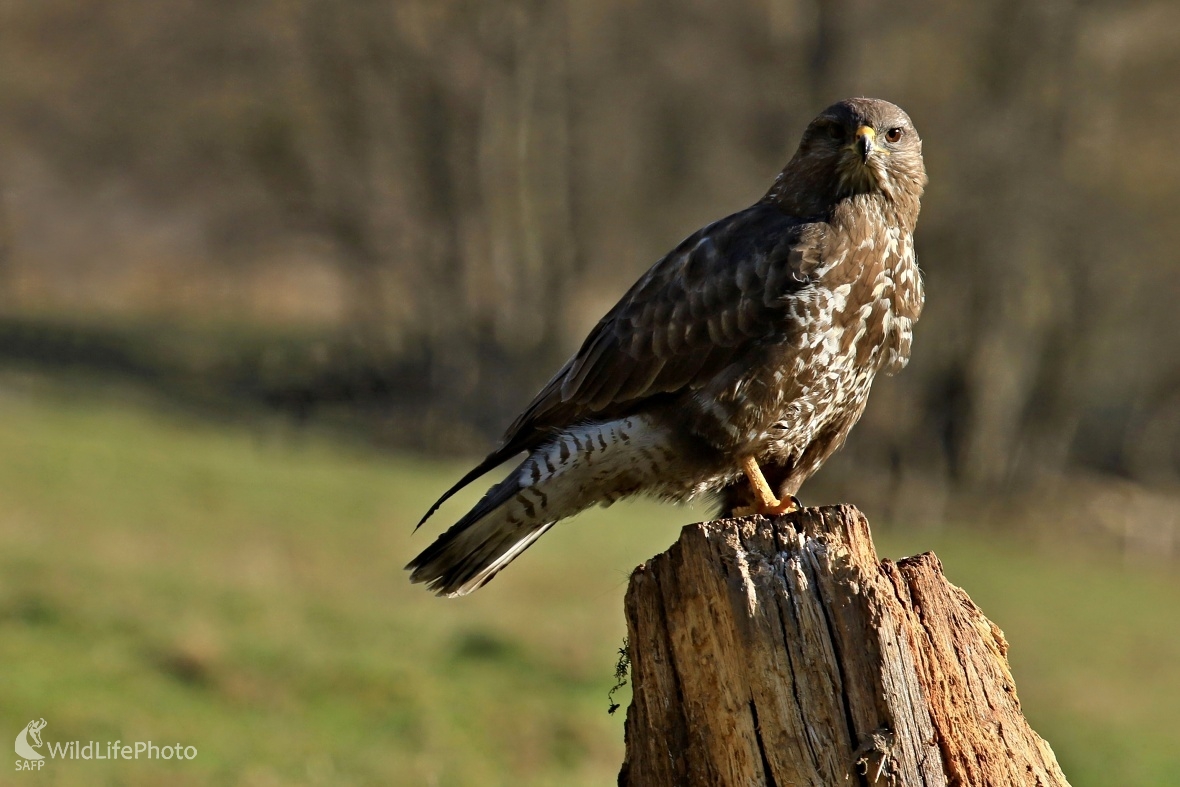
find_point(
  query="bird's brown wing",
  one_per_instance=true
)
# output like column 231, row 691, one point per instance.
column 722, row 289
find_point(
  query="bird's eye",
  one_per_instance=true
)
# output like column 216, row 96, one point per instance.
column 836, row 131
column 894, row 134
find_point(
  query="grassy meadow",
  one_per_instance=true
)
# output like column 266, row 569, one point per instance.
column 239, row 589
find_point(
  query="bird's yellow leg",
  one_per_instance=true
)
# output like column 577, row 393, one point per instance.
column 764, row 500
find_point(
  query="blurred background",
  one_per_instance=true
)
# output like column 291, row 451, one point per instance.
column 274, row 272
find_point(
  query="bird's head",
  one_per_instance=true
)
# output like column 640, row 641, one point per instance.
column 855, row 146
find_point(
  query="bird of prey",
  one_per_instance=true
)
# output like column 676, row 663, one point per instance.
column 734, row 367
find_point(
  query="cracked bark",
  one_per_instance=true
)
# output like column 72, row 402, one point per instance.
column 782, row 651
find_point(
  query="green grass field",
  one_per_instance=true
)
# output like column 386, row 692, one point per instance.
column 241, row 591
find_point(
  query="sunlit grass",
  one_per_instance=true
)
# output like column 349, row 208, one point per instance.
column 240, row 590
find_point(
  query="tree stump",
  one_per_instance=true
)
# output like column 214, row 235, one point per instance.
column 783, row 652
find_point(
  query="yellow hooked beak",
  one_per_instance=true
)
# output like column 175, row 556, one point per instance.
column 866, row 141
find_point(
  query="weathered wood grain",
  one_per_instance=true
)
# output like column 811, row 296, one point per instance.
column 783, row 652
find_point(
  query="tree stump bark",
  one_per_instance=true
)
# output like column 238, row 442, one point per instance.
column 783, row 652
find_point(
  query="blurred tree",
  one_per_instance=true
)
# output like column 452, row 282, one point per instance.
column 484, row 178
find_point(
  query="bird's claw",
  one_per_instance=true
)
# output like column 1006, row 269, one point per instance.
column 787, row 505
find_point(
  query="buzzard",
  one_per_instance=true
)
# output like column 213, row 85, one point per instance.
column 734, row 367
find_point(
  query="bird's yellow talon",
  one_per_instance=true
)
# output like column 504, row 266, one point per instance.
column 784, row 506
column 765, row 501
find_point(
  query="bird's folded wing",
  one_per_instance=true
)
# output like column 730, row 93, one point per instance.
column 720, row 290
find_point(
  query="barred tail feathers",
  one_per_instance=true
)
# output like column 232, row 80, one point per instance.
column 580, row 467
